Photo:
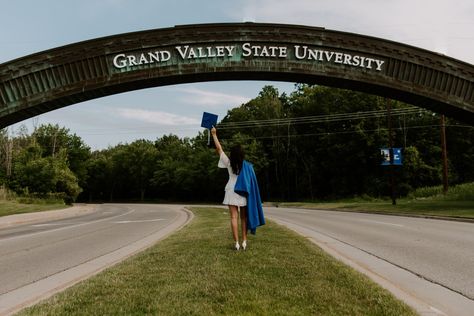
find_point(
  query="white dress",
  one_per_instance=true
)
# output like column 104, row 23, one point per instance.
column 230, row 198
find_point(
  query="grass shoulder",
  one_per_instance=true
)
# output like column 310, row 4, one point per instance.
column 196, row 272
column 11, row 207
column 457, row 203
column 453, row 209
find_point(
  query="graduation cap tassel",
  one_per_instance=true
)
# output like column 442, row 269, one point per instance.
column 208, row 137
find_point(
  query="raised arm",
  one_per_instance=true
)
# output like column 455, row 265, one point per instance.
column 216, row 141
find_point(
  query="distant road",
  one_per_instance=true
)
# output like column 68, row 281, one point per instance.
column 436, row 250
column 46, row 251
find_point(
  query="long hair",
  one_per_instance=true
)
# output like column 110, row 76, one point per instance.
column 236, row 158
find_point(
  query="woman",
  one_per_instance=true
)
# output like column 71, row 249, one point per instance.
column 233, row 200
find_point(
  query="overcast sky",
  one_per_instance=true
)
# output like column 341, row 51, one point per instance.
column 29, row 26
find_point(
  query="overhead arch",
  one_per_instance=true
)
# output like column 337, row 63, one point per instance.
column 62, row 76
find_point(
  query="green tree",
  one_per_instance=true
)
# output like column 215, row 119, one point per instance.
column 53, row 139
column 140, row 157
column 416, row 172
column 173, row 176
column 43, row 176
column 100, row 182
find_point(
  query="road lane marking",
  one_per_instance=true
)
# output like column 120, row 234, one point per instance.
column 54, row 224
column 294, row 211
column 43, row 225
column 140, row 221
column 66, row 227
column 437, row 311
column 377, row 222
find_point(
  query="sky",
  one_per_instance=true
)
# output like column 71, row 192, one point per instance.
column 29, row 26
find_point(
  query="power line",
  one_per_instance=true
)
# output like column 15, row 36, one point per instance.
column 289, row 121
column 320, row 118
column 345, row 132
column 293, row 121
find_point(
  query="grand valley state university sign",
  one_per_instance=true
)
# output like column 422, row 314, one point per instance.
column 246, row 50
column 82, row 71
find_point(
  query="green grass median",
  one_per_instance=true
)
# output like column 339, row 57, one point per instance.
column 196, row 272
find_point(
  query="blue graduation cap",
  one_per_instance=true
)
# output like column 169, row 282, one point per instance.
column 208, row 120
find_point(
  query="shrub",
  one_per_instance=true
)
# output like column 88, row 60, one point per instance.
column 464, row 192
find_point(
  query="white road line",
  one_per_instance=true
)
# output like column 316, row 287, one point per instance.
column 51, row 224
column 377, row 222
column 437, row 311
column 141, row 221
column 66, row 227
column 295, row 211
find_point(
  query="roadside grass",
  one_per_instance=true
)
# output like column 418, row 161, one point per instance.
column 196, row 272
column 457, row 209
column 429, row 201
column 460, row 192
column 11, row 207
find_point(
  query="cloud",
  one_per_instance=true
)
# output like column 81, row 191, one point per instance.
column 441, row 26
column 156, row 117
column 211, row 98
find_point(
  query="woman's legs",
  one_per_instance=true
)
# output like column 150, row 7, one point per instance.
column 243, row 221
column 234, row 221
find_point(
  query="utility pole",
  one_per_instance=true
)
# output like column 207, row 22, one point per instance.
column 444, row 154
column 390, row 140
column 8, row 147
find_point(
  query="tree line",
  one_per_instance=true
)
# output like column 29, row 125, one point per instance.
column 316, row 143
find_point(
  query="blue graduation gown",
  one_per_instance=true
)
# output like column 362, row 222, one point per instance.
column 247, row 186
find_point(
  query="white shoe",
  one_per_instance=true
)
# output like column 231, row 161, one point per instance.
column 244, row 244
column 237, row 246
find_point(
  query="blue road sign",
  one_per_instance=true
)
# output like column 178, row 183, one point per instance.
column 397, row 156
column 391, row 156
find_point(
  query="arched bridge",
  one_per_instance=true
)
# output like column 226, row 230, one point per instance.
column 82, row 71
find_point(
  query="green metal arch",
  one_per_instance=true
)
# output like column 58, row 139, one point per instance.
column 62, row 76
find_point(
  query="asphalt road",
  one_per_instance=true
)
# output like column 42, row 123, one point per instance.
column 435, row 250
column 35, row 252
